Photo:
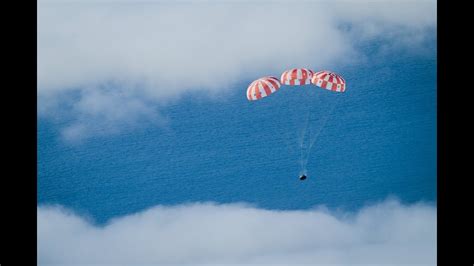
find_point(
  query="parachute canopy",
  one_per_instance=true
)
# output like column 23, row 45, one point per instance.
column 329, row 80
column 297, row 76
column 262, row 87
column 325, row 79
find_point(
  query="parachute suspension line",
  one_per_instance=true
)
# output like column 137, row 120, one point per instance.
column 303, row 131
column 325, row 119
column 301, row 140
column 306, row 133
column 304, row 101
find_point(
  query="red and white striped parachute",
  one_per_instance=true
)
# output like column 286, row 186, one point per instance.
column 262, row 87
column 329, row 80
column 297, row 76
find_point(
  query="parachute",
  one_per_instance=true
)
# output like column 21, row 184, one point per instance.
column 329, row 80
column 324, row 79
column 262, row 87
column 297, row 76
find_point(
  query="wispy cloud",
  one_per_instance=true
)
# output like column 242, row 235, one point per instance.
column 158, row 50
column 208, row 233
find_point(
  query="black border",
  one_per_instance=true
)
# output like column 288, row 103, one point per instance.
column 18, row 187
column 454, row 232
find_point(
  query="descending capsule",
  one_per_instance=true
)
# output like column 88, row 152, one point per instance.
column 329, row 80
column 297, row 76
column 262, row 87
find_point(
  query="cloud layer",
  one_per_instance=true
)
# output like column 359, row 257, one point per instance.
column 209, row 233
column 158, row 50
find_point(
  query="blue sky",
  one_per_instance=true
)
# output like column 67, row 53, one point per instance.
column 147, row 143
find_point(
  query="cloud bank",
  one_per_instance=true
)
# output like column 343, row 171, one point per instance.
column 154, row 51
column 209, row 233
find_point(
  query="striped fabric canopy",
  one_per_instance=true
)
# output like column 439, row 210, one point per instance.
column 297, row 76
column 329, row 80
column 262, row 87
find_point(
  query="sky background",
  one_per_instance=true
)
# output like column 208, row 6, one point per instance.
column 149, row 151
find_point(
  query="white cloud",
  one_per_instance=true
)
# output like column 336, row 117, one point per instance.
column 209, row 233
column 158, row 50
column 101, row 112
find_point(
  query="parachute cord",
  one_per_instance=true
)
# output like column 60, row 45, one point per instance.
column 325, row 119
column 302, row 138
column 307, row 128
